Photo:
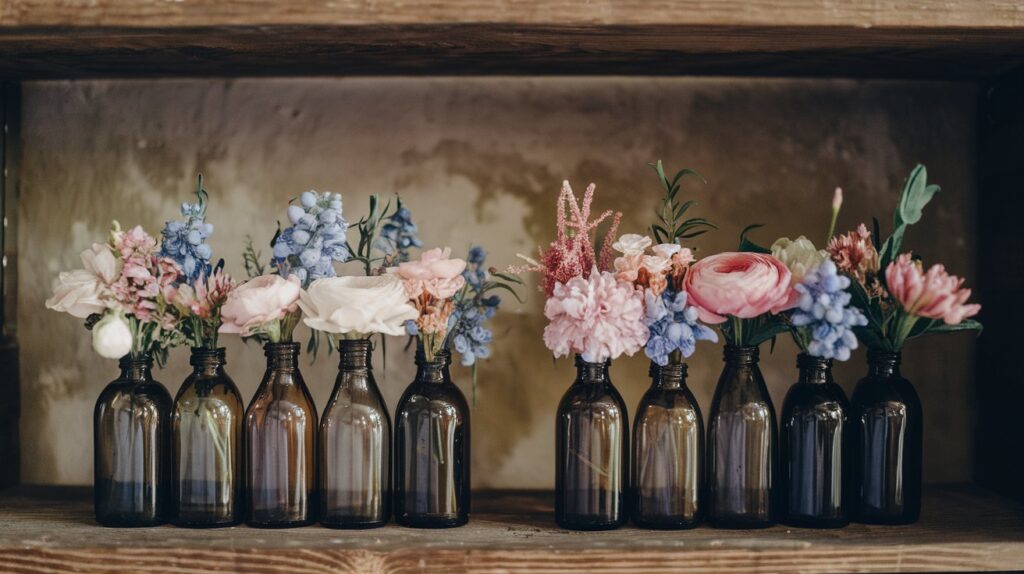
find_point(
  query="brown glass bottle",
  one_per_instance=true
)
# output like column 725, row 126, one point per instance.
column 280, row 445
column 816, row 440
column 131, row 446
column 591, row 452
column 432, row 449
column 355, row 445
column 207, row 445
column 742, row 445
column 888, row 424
column 668, row 453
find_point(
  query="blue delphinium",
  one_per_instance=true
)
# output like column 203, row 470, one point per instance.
column 472, row 309
column 398, row 234
column 673, row 326
column 185, row 241
column 823, row 318
column 315, row 240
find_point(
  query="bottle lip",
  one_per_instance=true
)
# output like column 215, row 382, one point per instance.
column 284, row 347
column 879, row 355
column 143, row 360
column 443, row 357
column 581, row 362
column 354, row 344
column 671, row 369
column 804, row 360
column 743, row 352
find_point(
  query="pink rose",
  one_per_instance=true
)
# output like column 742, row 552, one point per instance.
column 434, row 273
column 743, row 285
column 934, row 295
column 259, row 301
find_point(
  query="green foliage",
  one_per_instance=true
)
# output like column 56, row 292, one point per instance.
column 368, row 228
column 252, row 258
column 746, row 245
column 916, row 194
column 672, row 226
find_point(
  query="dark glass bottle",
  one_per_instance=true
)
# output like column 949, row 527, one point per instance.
column 207, row 445
column 432, row 449
column 280, row 440
column 131, row 446
column 816, row 439
column 592, row 452
column 888, row 425
column 742, row 445
column 355, row 445
column 668, row 453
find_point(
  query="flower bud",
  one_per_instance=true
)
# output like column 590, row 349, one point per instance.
column 111, row 337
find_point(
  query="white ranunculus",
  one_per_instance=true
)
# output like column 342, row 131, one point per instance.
column 84, row 292
column 357, row 305
column 798, row 255
column 111, row 337
column 632, row 244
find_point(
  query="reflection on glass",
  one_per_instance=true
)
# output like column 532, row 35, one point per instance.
column 432, row 449
column 207, row 435
column 816, row 438
column 742, row 445
column 280, row 433
column 888, row 426
column 131, row 434
column 668, row 453
column 355, row 445
column 592, row 452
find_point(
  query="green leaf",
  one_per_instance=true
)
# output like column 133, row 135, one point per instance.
column 927, row 327
column 748, row 245
column 687, row 171
column 508, row 288
column 916, row 194
column 507, row 277
column 767, row 331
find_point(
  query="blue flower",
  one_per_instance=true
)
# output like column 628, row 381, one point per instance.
column 398, row 234
column 824, row 315
column 315, row 240
column 467, row 323
column 673, row 326
column 185, row 241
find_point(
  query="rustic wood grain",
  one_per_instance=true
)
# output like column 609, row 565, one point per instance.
column 962, row 529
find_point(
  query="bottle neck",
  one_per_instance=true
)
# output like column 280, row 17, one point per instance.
column 355, row 355
column 282, row 356
column 136, row 368
column 736, row 355
column 435, row 371
column 672, row 376
column 814, row 370
column 884, row 363
column 206, row 361
column 587, row 372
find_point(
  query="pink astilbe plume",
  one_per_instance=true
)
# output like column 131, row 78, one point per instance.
column 572, row 253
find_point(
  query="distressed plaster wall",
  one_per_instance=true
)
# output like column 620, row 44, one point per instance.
column 479, row 160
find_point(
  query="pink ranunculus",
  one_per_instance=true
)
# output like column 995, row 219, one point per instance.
column 435, row 272
column 934, row 294
column 743, row 285
column 259, row 301
column 598, row 317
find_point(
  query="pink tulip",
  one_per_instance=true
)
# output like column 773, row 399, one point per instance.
column 933, row 295
column 742, row 285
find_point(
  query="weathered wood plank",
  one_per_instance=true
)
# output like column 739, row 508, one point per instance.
column 962, row 528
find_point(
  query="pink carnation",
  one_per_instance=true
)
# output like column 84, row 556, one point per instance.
column 599, row 317
column 435, row 273
column 743, row 285
column 933, row 295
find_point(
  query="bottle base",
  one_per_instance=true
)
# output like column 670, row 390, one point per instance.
column 352, row 524
column 431, row 521
column 740, row 523
column 887, row 520
column 111, row 522
column 275, row 525
column 199, row 524
column 668, row 524
column 588, row 523
column 815, row 522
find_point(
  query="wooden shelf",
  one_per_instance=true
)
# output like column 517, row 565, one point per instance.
column 963, row 528
column 943, row 39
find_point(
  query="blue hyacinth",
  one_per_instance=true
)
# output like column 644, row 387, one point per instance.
column 467, row 325
column 398, row 234
column 823, row 317
column 315, row 240
column 673, row 326
column 185, row 241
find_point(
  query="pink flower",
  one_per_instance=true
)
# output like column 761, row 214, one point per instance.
column 649, row 271
column 203, row 298
column 933, row 295
column 259, row 301
column 743, row 285
column 435, row 273
column 855, row 255
column 598, row 317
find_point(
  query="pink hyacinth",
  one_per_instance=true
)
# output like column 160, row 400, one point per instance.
column 742, row 285
column 934, row 294
column 598, row 317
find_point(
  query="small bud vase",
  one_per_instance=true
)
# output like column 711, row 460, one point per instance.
column 207, row 445
column 888, row 426
column 592, row 452
column 280, row 439
column 355, row 445
column 668, row 453
column 816, row 437
column 132, row 435
column 432, row 448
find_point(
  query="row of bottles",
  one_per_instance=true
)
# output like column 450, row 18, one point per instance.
column 829, row 461
column 201, row 461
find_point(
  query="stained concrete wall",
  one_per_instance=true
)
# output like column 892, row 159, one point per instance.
column 479, row 160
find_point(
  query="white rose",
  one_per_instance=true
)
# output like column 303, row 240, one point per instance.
column 632, row 244
column 111, row 337
column 357, row 305
column 84, row 292
column 798, row 255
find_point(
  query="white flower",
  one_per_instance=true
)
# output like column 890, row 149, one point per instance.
column 111, row 337
column 357, row 305
column 84, row 292
column 632, row 244
column 798, row 255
